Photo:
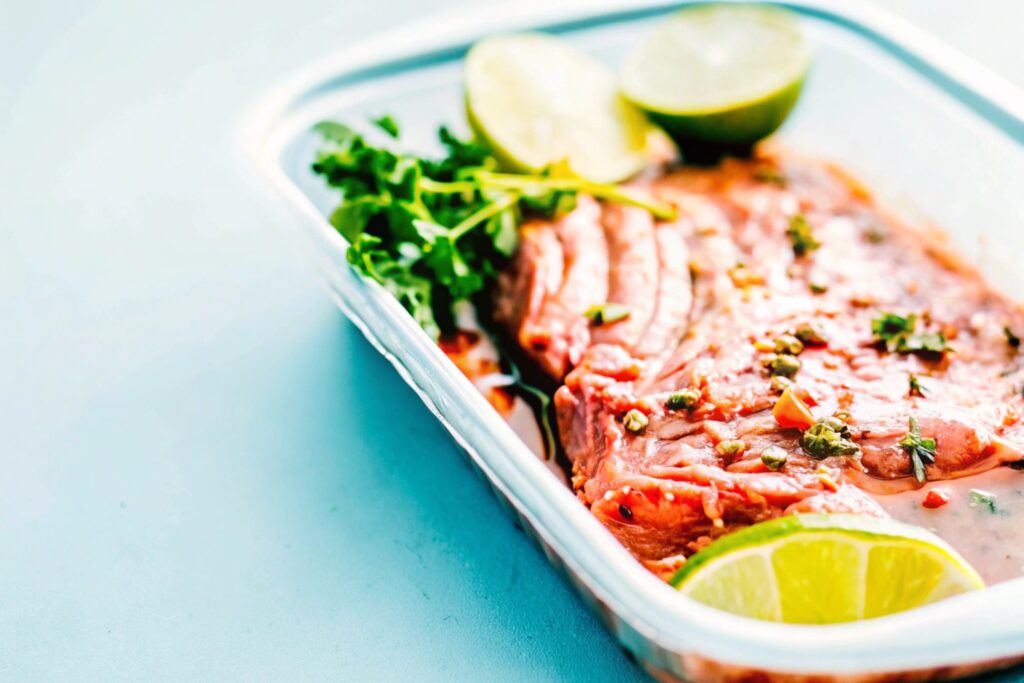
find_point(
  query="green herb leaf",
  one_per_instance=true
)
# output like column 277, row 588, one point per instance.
column 435, row 232
column 921, row 450
column 915, row 388
column 983, row 499
column 898, row 335
column 543, row 407
column 388, row 125
column 891, row 328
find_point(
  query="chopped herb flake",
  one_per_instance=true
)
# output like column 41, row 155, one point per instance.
column 1011, row 339
column 801, row 235
column 388, row 125
column 606, row 314
column 817, row 287
column 921, row 450
column 915, row 388
column 983, row 499
column 898, row 334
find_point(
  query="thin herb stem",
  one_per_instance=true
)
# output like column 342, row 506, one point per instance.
column 598, row 190
column 513, row 181
column 439, row 187
column 478, row 217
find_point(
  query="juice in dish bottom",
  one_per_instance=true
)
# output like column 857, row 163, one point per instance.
column 989, row 535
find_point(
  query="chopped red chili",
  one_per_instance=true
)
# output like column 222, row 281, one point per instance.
column 935, row 498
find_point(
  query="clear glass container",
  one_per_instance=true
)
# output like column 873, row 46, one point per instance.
column 936, row 138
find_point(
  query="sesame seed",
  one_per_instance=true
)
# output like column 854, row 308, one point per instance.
column 670, row 496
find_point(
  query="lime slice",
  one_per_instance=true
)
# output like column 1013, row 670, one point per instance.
column 825, row 569
column 539, row 103
column 721, row 75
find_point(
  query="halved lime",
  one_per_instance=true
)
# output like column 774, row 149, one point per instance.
column 825, row 569
column 726, row 75
column 540, row 103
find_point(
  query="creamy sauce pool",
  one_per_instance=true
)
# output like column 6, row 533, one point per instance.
column 993, row 542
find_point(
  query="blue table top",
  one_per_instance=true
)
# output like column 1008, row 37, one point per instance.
column 207, row 473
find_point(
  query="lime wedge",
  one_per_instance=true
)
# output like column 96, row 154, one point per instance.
column 719, row 74
column 825, row 569
column 540, row 103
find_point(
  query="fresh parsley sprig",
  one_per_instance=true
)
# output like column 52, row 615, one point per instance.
column 899, row 334
column 435, row 232
column 921, row 450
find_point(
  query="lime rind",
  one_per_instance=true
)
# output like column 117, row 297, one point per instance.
column 726, row 75
column 819, row 568
column 540, row 104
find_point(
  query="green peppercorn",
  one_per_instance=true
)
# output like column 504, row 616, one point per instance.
column 635, row 421
column 787, row 343
column 783, row 365
column 730, row 448
column 684, row 399
column 774, row 457
column 811, row 335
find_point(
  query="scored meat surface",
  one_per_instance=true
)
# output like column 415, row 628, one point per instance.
column 762, row 250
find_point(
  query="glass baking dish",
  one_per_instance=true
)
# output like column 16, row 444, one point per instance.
column 936, row 137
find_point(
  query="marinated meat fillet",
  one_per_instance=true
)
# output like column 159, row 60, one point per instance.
column 778, row 275
column 561, row 271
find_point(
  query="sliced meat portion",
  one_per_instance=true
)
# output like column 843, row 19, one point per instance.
column 632, row 275
column 718, row 299
column 549, row 286
column 675, row 295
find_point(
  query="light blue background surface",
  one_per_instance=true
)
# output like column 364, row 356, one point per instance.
column 205, row 473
